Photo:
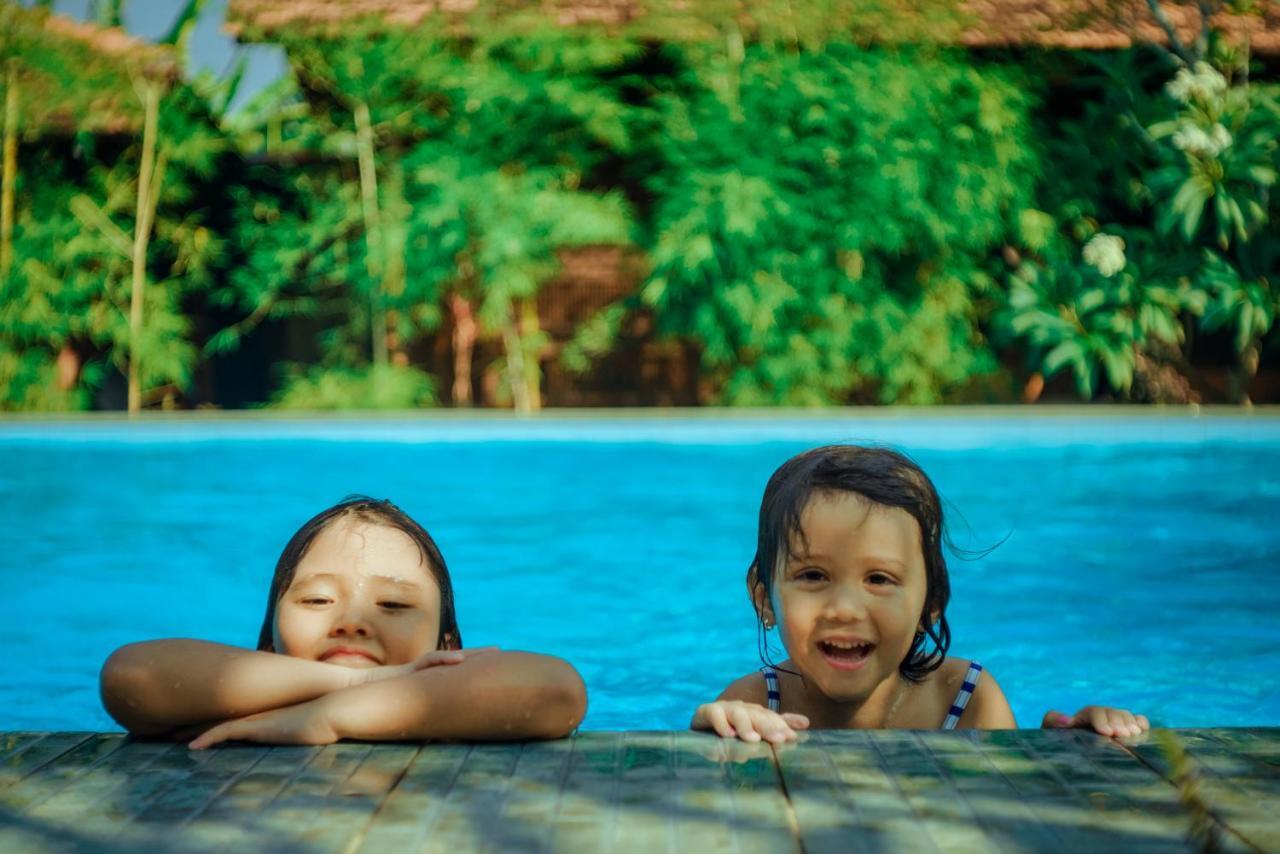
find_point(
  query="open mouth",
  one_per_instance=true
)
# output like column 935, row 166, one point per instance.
column 845, row 655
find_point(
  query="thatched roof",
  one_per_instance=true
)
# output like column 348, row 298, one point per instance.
column 1066, row 24
column 74, row 76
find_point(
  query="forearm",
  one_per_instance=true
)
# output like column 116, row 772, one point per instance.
column 154, row 687
column 499, row 697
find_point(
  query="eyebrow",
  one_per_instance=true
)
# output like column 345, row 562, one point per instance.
column 874, row 559
column 386, row 579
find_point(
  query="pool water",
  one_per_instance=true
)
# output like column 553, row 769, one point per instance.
column 1135, row 563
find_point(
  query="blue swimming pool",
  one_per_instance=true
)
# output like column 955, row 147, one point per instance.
column 1137, row 564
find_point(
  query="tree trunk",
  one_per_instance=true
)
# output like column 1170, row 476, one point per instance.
column 530, row 326
column 1034, row 388
column 394, row 240
column 141, row 236
column 10, row 166
column 1245, row 372
column 373, row 232
column 515, row 363
column 67, row 368
column 464, row 342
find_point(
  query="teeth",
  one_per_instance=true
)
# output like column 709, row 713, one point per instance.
column 847, row 646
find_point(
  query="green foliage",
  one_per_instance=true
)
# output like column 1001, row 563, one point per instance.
column 1220, row 157
column 73, row 243
column 66, row 84
column 481, row 150
column 823, row 221
column 1094, row 312
column 594, row 338
column 371, row 387
column 1243, row 296
column 1187, row 183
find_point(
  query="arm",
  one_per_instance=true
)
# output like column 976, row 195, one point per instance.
column 156, row 687
column 497, row 697
column 988, row 708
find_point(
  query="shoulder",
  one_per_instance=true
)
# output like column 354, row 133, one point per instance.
column 987, row 707
column 748, row 689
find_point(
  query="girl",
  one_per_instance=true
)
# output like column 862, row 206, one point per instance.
column 849, row 568
column 359, row 641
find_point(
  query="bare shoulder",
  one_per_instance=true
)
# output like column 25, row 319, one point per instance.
column 987, row 708
column 748, row 689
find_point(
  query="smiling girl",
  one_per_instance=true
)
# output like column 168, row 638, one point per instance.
column 849, row 569
column 359, row 641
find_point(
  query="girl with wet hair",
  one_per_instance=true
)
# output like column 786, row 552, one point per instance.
column 849, row 568
column 360, row 640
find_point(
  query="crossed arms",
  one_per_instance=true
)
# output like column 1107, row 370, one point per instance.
column 179, row 687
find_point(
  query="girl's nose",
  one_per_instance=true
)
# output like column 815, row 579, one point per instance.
column 845, row 604
column 350, row 623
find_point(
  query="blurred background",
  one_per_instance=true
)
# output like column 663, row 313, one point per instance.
column 371, row 204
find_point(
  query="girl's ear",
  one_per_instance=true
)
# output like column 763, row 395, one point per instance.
column 932, row 619
column 759, row 598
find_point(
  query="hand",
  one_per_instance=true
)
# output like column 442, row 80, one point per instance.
column 305, row 723
column 1103, row 720
column 434, row 658
column 748, row 721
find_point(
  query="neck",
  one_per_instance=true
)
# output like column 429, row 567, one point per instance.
column 877, row 710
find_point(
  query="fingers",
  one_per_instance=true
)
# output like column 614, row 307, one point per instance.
column 750, row 722
column 795, row 721
column 714, row 714
column 1123, row 723
column 1057, row 720
column 439, row 657
column 1116, row 723
column 216, row 735
column 740, row 717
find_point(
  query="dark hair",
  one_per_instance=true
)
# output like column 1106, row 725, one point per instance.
column 374, row 511
column 883, row 477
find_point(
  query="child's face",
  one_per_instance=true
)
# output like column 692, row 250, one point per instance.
column 849, row 602
column 362, row 596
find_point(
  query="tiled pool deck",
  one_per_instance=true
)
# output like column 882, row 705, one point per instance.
column 642, row 791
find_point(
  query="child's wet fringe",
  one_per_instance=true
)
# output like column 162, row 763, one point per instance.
column 1185, row 775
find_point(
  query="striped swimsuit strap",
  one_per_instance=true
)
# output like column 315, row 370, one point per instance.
column 771, row 685
column 962, row 697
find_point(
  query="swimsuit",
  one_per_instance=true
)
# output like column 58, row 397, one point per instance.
column 953, row 714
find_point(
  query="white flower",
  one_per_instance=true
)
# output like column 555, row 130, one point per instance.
column 1194, row 140
column 1202, row 83
column 1105, row 253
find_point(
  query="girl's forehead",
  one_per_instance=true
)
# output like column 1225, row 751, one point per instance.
column 847, row 510
column 361, row 548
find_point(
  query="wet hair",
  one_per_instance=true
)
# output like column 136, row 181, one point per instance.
column 375, row 512
column 883, row 477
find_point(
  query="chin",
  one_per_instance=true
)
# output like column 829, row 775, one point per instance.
column 845, row 695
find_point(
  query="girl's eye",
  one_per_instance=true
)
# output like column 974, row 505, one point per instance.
column 810, row 575
column 314, row 600
column 880, row 578
column 395, row 606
